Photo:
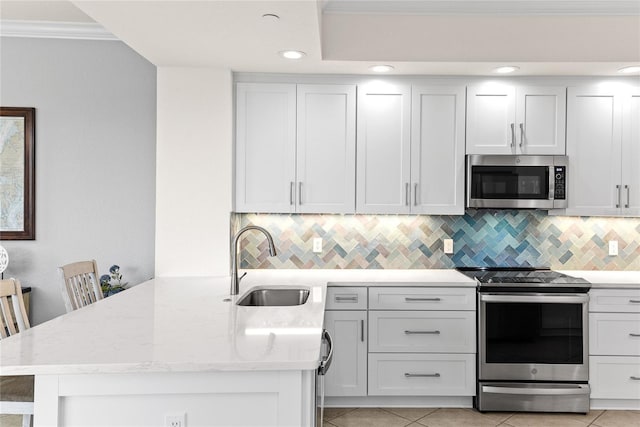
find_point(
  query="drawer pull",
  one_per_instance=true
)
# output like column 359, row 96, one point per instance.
column 425, row 299
column 410, row 375
column 634, row 301
column 634, row 335
column 631, row 377
column 422, row 332
column 340, row 299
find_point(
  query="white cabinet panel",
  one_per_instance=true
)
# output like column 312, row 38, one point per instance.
column 437, row 150
column 541, row 120
column 326, row 148
column 614, row 300
column 615, row 334
column 614, row 377
column 265, row 147
column 381, row 298
column 347, row 375
column 491, row 112
column 422, row 331
column 422, row 374
column 346, row 298
column 631, row 155
column 383, row 149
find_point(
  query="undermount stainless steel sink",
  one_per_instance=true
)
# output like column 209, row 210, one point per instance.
column 273, row 297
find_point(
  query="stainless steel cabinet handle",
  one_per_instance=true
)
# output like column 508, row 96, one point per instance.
column 619, row 188
column 634, row 378
column 291, row 191
column 626, row 187
column 422, row 299
column 513, row 134
column 406, row 193
column 362, row 330
column 299, row 193
column 521, row 135
column 415, row 194
column 634, row 301
column 338, row 299
column 422, row 332
column 409, row 375
column 634, row 335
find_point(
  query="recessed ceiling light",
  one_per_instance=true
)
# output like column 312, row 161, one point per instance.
column 506, row 69
column 381, row 68
column 629, row 70
column 292, row 54
column 271, row 17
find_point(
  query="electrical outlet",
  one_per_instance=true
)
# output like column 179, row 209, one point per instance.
column 317, row 245
column 175, row 420
column 613, row 248
column 448, row 246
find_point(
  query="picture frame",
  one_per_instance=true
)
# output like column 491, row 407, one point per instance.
column 17, row 173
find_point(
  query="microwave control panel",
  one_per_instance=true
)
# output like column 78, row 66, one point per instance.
column 560, row 173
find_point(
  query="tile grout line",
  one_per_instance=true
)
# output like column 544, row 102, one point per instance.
column 596, row 418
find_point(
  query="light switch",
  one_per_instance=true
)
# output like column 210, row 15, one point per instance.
column 448, row 246
column 613, row 248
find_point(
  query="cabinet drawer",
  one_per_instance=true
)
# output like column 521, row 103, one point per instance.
column 617, row 300
column 422, row 331
column 614, row 334
column 422, row 374
column 346, row 298
column 422, row 298
column 614, row 377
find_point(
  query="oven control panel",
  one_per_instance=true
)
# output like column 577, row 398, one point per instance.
column 560, row 173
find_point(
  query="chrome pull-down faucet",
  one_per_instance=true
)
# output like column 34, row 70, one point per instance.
column 235, row 280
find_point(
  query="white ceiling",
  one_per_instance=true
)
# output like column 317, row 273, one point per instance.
column 471, row 37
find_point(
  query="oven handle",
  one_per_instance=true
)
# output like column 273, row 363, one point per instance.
column 552, row 298
column 576, row 389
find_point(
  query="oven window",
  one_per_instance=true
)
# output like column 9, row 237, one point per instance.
column 510, row 182
column 534, row 333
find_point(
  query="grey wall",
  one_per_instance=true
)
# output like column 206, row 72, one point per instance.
column 95, row 160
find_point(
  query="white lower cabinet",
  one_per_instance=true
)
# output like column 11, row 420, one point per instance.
column 614, row 348
column 422, row 374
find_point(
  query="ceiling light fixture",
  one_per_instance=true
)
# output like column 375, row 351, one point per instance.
column 292, row 54
column 629, row 70
column 271, row 17
column 506, row 69
column 381, row 68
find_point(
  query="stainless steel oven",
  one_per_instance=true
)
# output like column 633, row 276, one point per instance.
column 525, row 182
column 533, row 341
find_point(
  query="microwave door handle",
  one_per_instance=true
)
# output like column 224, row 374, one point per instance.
column 552, row 183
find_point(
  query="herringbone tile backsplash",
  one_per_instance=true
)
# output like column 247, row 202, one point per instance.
column 480, row 238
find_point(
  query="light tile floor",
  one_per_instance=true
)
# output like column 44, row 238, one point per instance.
column 454, row 417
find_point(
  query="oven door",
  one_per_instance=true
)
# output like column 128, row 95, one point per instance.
column 533, row 337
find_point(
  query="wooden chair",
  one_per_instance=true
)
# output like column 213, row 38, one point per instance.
column 80, row 284
column 16, row 392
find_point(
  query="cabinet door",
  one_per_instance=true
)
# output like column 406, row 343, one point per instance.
column 631, row 154
column 383, row 149
column 437, row 150
column 265, row 147
column 491, row 117
column 326, row 149
column 347, row 375
column 593, row 147
column 540, row 120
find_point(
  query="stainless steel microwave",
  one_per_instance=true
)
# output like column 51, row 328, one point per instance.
column 516, row 182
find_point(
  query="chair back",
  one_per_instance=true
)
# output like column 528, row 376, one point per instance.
column 13, row 314
column 80, row 284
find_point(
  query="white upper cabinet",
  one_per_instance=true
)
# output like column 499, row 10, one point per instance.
column 265, row 147
column 603, row 149
column 383, row 149
column 326, row 157
column 295, row 148
column 437, row 150
column 508, row 119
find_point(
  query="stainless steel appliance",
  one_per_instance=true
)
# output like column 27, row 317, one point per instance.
column 532, row 340
column 517, row 182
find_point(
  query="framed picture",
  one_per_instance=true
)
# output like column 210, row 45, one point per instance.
column 17, row 169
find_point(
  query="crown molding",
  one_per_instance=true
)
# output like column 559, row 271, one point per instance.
column 55, row 30
column 486, row 7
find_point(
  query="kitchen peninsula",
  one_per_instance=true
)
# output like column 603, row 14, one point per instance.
column 181, row 345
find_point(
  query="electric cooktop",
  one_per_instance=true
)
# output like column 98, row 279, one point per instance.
column 514, row 277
